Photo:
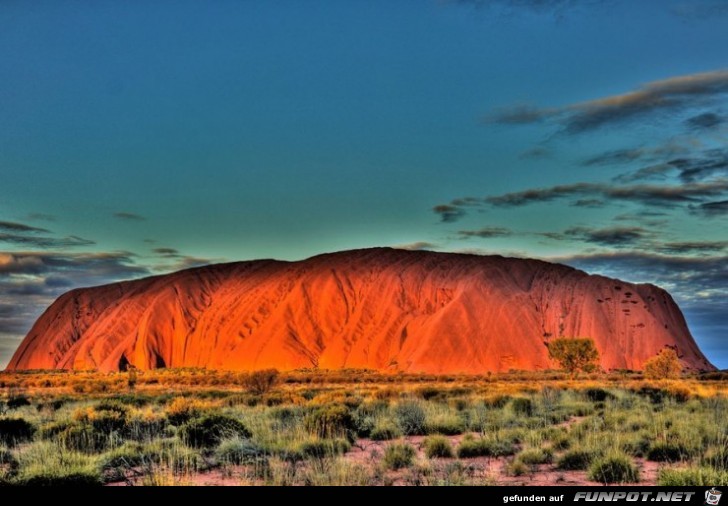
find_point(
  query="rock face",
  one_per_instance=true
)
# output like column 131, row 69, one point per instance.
column 384, row 309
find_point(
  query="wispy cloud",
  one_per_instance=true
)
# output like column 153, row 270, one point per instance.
column 705, row 121
column 667, row 95
column 485, row 233
column 417, row 246
column 613, row 236
column 652, row 195
column 711, row 209
column 449, row 213
column 10, row 226
column 45, row 242
column 123, row 215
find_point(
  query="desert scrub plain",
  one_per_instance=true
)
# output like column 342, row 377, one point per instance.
column 197, row 427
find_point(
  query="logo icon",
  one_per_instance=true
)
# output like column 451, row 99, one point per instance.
column 712, row 497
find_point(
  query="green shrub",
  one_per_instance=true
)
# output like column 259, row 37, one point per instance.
column 209, row 430
column 385, row 430
column 522, row 406
column 123, row 457
column 411, row 418
column 535, row 456
column 665, row 452
column 517, row 468
column 17, row 401
column 717, row 458
column 447, row 424
column 261, row 382
column 497, row 401
column 79, row 478
column 331, row 421
column 470, row 447
column 83, row 438
column 692, row 477
column 575, row 460
column 320, row 448
column 438, row 447
column 15, row 430
column 398, row 456
column 597, row 394
column 239, row 451
column 613, row 469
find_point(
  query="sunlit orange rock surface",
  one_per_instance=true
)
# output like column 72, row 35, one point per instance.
column 391, row 310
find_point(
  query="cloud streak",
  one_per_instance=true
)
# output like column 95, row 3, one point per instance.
column 667, row 95
column 485, row 233
column 123, row 215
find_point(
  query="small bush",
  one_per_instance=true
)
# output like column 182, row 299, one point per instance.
column 692, row 477
column 447, row 424
column 535, row 456
column 15, row 430
column 438, row 447
column 411, row 418
column 597, row 394
column 182, row 409
column 522, row 406
column 18, row 401
column 613, row 469
column 83, row 438
column 518, row 468
column 209, row 430
column 575, row 460
column 497, row 401
column 664, row 365
column 385, row 430
column 320, row 448
column 470, row 447
column 717, row 458
column 261, row 382
column 665, row 452
column 71, row 478
column 330, row 421
column 239, row 451
column 398, row 456
column 125, row 456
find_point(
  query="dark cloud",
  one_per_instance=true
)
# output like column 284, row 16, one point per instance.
column 708, row 164
column 652, row 195
column 682, row 248
column 701, row 280
column 417, row 246
column 613, row 236
column 667, row 95
column 167, row 252
column 31, row 281
column 718, row 208
column 704, row 121
column 658, row 171
column 701, row 166
column 448, row 213
column 123, row 215
column 485, row 233
column 593, row 203
column 521, row 115
column 536, row 153
column 45, row 242
column 41, row 217
column 615, row 157
column 10, row 226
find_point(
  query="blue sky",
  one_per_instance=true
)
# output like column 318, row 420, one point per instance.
column 140, row 138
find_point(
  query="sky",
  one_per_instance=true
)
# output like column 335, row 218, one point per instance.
column 138, row 138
